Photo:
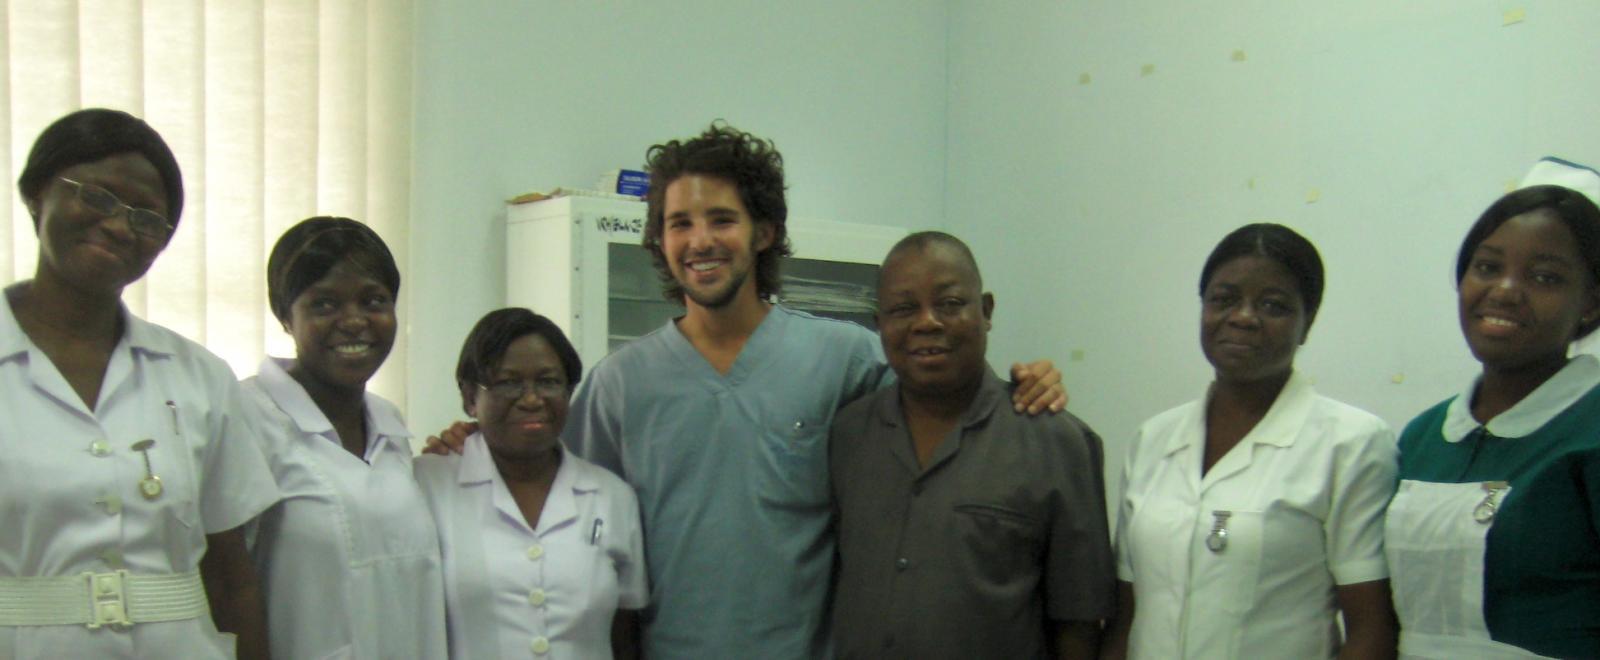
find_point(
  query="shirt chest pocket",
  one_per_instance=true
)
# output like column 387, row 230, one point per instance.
column 160, row 478
column 582, row 577
column 1169, row 539
column 795, row 457
column 797, row 438
column 386, row 513
column 1000, row 542
column 1228, row 560
column 162, row 471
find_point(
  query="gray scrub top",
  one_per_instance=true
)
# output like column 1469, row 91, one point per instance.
column 732, row 477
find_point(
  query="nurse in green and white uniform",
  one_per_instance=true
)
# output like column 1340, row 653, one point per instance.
column 1493, row 537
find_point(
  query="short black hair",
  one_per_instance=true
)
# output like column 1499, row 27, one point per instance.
column 312, row 247
column 1278, row 243
column 752, row 164
column 922, row 240
column 1571, row 207
column 95, row 134
column 486, row 344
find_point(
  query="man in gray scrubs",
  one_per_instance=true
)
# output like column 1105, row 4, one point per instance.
column 966, row 529
column 719, row 418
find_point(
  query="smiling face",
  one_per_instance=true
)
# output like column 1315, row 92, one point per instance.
column 933, row 319
column 1525, row 293
column 1252, row 319
column 530, row 424
column 343, row 327
column 90, row 251
column 709, row 240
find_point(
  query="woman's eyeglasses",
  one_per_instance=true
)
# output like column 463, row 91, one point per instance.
column 513, row 389
column 142, row 221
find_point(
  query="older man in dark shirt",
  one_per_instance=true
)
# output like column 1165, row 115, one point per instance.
column 966, row 530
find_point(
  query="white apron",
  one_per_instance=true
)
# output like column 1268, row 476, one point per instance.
column 1435, row 537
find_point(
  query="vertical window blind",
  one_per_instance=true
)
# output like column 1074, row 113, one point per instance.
column 277, row 110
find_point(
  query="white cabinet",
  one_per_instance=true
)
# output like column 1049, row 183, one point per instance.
column 579, row 261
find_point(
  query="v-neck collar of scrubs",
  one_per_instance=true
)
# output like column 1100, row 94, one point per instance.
column 1277, row 428
column 560, row 506
column 755, row 351
column 1559, row 392
column 137, row 336
column 990, row 393
column 383, row 426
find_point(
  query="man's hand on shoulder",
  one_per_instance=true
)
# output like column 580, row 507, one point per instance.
column 450, row 440
column 1036, row 387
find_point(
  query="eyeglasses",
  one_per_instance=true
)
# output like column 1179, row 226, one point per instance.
column 513, row 389
column 143, row 221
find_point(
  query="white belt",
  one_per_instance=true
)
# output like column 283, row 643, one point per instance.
column 116, row 599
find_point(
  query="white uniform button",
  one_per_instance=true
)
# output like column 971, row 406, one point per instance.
column 536, row 597
column 902, row 563
column 540, row 646
column 100, row 448
column 535, row 551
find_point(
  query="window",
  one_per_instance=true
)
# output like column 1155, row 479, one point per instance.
column 278, row 110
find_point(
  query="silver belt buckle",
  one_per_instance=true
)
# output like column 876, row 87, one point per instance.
column 108, row 601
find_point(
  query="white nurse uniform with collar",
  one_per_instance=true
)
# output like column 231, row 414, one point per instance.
column 548, row 592
column 72, row 504
column 349, row 559
column 1243, row 562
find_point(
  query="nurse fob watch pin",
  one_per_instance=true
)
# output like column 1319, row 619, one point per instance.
column 1484, row 512
column 1217, row 540
column 150, row 485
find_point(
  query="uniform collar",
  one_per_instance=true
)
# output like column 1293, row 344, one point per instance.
column 560, row 508
column 991, row 392
column 1279, row 427
column 142, row 335
column 1559, row 392
column 765, row 339
column 477, row 467
column 137, row 334
column 383, row 423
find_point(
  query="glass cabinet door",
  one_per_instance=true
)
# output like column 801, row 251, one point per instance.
column 634, row 305
column 831, row 289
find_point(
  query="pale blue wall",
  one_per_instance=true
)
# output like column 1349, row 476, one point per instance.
column 1092, row 207
column 516, row 95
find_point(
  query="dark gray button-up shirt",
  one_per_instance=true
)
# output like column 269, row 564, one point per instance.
column 971, row 557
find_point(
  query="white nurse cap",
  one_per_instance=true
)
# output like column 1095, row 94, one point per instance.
column 1552, row 171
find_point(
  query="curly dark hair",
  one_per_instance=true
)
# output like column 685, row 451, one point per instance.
column 751, row 163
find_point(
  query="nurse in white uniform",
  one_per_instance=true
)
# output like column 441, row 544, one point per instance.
column 129, row 463
column 543, row 552
column 349, row 558
column 1252, row 519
